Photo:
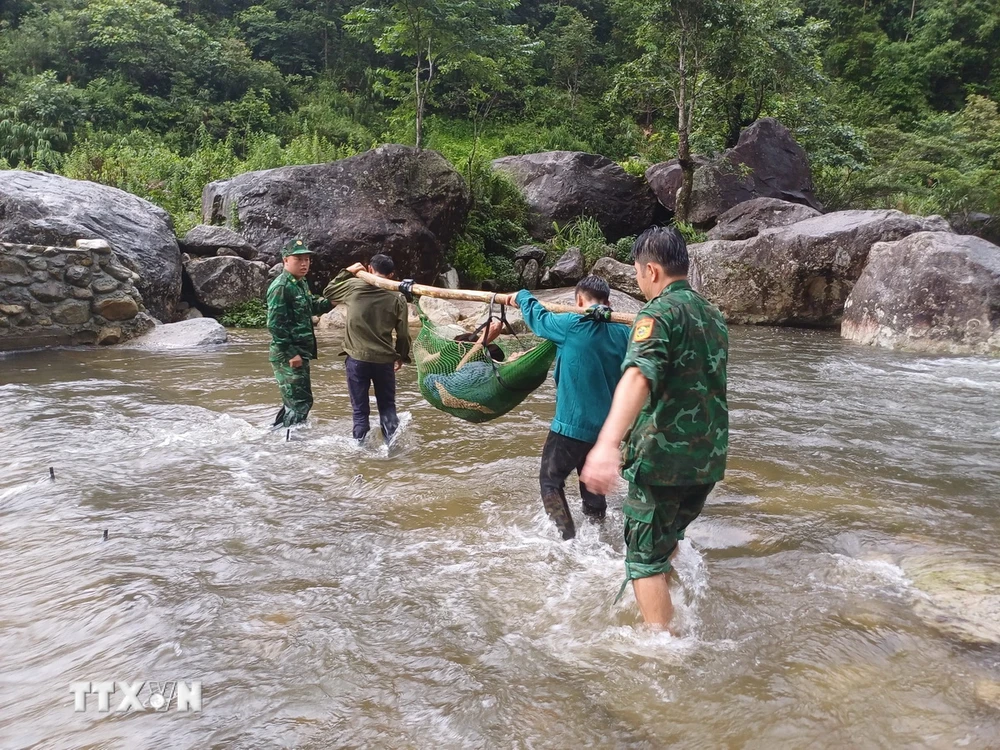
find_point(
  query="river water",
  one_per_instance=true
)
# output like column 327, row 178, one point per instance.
column 330, row 596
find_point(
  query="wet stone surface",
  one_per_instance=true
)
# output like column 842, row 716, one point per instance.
column 48, row 289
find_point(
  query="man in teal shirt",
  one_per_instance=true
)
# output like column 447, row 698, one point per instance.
column 590, row 350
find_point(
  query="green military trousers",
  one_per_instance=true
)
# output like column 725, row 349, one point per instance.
column 296, row 392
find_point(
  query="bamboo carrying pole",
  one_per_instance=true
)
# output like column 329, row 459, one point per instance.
column 422, row 290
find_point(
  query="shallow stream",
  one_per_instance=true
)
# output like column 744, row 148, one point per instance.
column 836, row 592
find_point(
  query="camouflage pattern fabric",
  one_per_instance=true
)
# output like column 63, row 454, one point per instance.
column 290, row 310
column 680, row 343
column 655, row 520
column 296, row 392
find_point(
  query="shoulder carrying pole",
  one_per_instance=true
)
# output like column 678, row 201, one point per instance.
column 422, row 290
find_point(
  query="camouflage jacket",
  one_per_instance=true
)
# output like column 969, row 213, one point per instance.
column 680, row 343
column 290, row 310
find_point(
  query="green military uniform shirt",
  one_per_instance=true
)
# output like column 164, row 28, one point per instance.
column 290, row 310
column 372, row 316
column 680, row 343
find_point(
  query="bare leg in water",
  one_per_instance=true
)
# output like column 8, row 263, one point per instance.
column 653, row 596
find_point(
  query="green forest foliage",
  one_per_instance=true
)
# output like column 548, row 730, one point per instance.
column 894, row 100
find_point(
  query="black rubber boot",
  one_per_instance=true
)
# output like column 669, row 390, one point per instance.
column 558, row 510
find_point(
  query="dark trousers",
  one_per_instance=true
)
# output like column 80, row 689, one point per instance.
column 562, row 455
column 360, row 377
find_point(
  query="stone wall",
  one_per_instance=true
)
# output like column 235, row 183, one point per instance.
column 59, row 296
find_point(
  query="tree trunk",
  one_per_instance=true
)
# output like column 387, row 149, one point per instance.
column 909, row 28
column 471, row 163
column 421, row 92
column 734, row 119
column 683, row 208
column 420, row 104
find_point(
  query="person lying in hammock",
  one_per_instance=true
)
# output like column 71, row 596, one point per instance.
column 492, row 332
column 461, row 387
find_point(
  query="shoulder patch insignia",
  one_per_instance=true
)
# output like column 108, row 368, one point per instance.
column 643, row 329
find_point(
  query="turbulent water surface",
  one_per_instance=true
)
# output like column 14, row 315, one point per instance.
column 840, row 589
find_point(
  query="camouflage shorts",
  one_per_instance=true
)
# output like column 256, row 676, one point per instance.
column 655, row 520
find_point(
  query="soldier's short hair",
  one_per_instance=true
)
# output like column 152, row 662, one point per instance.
column 382, row 264
column 595, row 288
column 664, row 246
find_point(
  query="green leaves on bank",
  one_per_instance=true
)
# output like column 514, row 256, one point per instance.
column 895, row 101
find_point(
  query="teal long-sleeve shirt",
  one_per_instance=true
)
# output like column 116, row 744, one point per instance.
column 588, row 365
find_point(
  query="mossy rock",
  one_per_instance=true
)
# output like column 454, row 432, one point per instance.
column 959, row 600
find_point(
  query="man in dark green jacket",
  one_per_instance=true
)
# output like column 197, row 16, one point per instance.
column 290, row 310
column 668, row 428
column 590, row 350
column 373, row 315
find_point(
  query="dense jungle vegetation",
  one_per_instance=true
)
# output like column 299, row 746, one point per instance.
column 894, row 100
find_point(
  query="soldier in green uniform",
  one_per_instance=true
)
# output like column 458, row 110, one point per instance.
column 290, row 310
column 668, row 428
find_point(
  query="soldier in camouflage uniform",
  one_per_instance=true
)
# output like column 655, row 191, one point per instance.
column 290, row 310
column 668, row 428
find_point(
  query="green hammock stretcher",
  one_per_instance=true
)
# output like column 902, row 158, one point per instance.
column 476, row 388
column 461, row 378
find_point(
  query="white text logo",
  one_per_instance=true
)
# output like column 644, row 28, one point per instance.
column 137, row 696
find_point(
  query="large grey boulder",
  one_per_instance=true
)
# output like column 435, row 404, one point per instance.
column 748, row 219
column 448, row 278
column 334, row 321
column 620, row 276
column 561, row 186
column 530, row 252
column 765, row 163
column 38, row 208
column 666, row 178
column 799, row 275
column 197, row 333
column 931, row 292
column 529, row 261
column 568, row 270
column 208, row 240
column 982, row 225
column 223, row 282
column 528, row 272
column 392, row 199
column 440, row 311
